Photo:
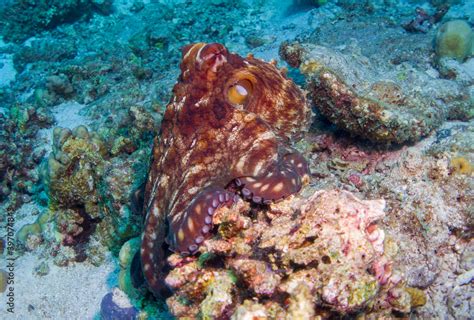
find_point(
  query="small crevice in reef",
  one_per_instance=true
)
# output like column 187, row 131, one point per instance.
column 85, row 227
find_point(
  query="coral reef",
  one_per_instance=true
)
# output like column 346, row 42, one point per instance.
column 89, row 192
column 72, row 171
column 377, row 105
column 118, row 70
column 318, row 255
column 23, row 19
column 19, row 155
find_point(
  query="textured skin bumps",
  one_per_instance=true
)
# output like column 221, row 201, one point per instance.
column 230, row 122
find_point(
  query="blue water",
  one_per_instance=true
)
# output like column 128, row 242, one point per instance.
column 68, row 194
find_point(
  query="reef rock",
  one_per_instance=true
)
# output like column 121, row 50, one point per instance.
column 19, row 153
column 89, row 191
column 321, row 256
column 379, row 103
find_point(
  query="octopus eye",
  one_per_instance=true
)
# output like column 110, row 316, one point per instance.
column 240, row 92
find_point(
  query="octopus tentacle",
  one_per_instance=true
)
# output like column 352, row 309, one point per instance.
column 189, row 232
column 285, row 179
column 153, row 258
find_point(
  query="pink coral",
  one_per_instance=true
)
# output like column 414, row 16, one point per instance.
column 325, row 252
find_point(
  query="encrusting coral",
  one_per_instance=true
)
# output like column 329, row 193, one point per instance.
column 320, row 255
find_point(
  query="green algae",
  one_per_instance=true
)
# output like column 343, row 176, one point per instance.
column 28, row 230
column 218, row 296
column 362, row 292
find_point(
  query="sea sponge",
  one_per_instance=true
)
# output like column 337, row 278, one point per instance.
column 461, row 165
column 454, row 39
column 3, row 280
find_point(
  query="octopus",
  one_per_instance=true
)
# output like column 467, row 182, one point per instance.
column 227, row 132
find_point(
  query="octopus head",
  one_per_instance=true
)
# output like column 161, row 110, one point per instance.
column 229, row 81
column 204, row 57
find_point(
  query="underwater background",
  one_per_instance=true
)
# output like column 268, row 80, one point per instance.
column 379, row 224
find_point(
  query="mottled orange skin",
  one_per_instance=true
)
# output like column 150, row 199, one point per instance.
column 207, row 142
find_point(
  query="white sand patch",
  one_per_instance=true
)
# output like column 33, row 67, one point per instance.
column 67, row 115
column 73, row 292
column 7, row 71
column 26, row 214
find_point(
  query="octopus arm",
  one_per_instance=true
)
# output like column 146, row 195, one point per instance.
column 195, row 224
column 152, row 253
column 283, row 179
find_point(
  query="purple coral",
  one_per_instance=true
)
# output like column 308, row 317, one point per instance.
column 116, row 306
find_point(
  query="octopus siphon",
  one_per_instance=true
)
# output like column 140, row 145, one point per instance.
column 227, row 132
